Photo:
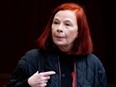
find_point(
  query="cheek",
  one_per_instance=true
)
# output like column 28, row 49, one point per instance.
column 53, row 29
column 53, row 33
column 73, row 34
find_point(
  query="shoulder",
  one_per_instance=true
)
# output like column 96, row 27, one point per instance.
column 31, row 59
column 89, row 58
column 32, row 56
column 95, row 62
column 93, row 58
column 91, row 61
column 34, row 53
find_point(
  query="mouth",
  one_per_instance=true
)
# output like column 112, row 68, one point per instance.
column 60, row 37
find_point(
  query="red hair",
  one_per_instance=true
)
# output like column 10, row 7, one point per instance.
column 83, row 44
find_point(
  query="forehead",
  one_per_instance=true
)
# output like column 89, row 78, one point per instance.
column 65, row 14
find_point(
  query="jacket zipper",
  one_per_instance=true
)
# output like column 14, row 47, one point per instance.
column 75, row 73
column 59, row 69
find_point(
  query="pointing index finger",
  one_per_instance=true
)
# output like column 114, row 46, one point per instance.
column 48, row 73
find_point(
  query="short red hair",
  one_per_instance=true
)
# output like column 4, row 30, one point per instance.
column 83, row 44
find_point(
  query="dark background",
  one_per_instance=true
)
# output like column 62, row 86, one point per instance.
column 22, row 22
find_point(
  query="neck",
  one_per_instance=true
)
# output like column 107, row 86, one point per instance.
column 65, row 49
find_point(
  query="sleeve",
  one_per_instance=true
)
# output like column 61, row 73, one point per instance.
column 24, row 69
column 100, row 77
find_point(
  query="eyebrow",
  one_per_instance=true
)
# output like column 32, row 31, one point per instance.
column 55, row 19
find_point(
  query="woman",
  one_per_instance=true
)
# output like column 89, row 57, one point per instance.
column 64, row 57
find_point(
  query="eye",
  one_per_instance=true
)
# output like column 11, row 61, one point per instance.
column 55, row 22
column 68, row 24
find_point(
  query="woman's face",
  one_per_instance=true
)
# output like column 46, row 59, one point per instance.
column 64, row 29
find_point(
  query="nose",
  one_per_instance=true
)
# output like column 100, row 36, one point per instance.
column 59, row 29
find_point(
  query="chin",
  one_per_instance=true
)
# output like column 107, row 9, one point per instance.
column 60, row 43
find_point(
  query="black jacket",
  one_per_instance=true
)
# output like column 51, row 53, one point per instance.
column 89, row 70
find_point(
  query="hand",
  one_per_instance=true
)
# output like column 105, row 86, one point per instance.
column 40, row 79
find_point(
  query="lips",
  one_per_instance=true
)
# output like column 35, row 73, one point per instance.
column 59, row 36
